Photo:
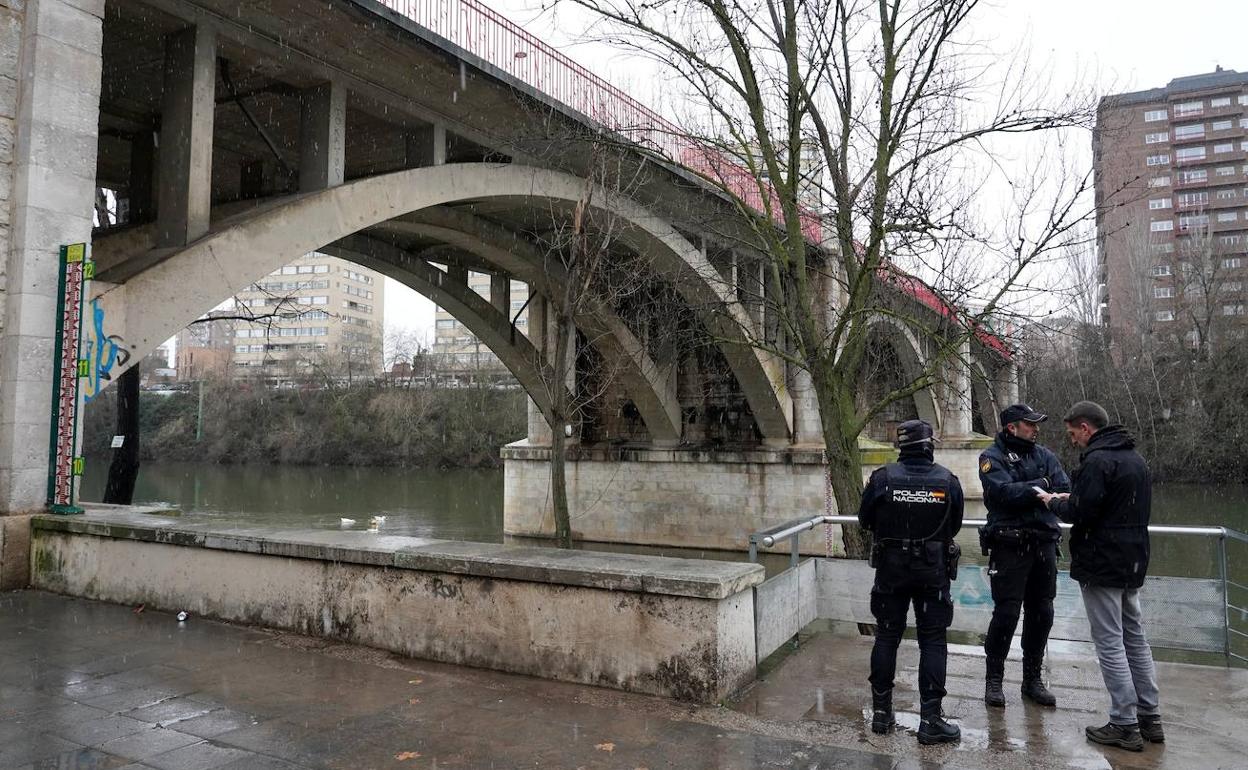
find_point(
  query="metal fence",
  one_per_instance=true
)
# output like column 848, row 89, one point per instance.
column 1206, row 614
column 504, row 45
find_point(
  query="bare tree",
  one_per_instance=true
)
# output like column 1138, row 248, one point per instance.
column 907, row 118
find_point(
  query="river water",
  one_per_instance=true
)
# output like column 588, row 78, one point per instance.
column 467, row 504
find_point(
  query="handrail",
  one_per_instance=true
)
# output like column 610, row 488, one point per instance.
column 483, row 32
column 789, row 530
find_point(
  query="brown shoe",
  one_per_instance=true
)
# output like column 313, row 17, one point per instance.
column 1123, row 736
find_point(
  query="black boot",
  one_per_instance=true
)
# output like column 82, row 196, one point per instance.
column 1151, row 730
column 932, row 726
column 882, row 720
column 1033, row 685
column 993, row 694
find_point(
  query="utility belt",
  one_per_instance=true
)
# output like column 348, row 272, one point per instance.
column 928, row 551
column 1011, row 536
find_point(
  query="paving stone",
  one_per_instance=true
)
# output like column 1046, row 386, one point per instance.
column 99, row 731
column 33, row 746
column 216, row 722
column 170, row 711
column 197, row 756
column 149, row 743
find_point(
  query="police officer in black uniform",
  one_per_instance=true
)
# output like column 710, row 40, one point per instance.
column 913, row 508
column 1021, row 538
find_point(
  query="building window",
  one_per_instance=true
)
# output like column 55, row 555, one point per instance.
column 1221, row 101
column 1152, row 116
column 1188, row 221
column 1225, row 194
column 1165, row 315
column 1158, row 160
column 1218, row 149
column 1159, row 203
column 1230, row 263
column 1189, row 177
column 1235, row 309
column 1162, row 248
column 1159, row 181
column 1232, row 286
column 1162, row 226
column 1163, row 292
column 1157, row 138
column 240, row 348
column 1189, row 154
column 1227, row 216
column 1161, row 271
column 1230, row 240
column 1190, row 131
column 1188, row 108
column 1194, row 198
column 1222, row 125
column 446, row 323
column 1226, row 171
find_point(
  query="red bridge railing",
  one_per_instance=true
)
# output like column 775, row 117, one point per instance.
column 483, row 32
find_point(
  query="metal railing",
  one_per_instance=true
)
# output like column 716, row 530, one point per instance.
column 508, row 47
column 791, row 530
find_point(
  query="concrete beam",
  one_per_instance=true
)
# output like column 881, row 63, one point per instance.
column 187, row 110
column 322, row 136
column 142, row 190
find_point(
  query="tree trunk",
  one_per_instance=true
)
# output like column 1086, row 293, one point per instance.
column 559, row 486
column 124, row 469
column 844, row 462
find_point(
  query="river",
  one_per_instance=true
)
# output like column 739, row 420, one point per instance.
column 467, row 504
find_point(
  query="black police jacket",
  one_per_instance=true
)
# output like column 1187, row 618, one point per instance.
column 1109, row 506
column 1008, row 471
column 882, row 503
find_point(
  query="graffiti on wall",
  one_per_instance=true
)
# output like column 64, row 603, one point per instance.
column 104, row 353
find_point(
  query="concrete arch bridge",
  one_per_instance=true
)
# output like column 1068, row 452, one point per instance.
column 237, row 137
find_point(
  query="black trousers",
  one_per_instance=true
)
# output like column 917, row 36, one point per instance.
column 1024, row 579
column 902, row 581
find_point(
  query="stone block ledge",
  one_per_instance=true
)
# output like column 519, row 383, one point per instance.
column 607, row 571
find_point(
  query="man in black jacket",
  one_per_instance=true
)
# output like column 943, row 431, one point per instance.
column 1022, row 537
column 913, row 509
column 1109, row 505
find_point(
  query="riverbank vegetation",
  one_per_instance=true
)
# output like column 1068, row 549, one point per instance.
column 1186, row 406
column 407, row 427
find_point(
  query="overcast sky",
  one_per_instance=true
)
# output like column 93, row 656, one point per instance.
column 1119, row 45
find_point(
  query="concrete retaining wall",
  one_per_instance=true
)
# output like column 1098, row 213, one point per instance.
column 688, row 498
column 672, row 627
column 784, row 605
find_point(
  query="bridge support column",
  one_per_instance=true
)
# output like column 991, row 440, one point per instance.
column 807, row 425
column 49, row 114
column 956, row 388
column 189, row 102
column 427, row 146
column 323, row 137
column 538, row 429
column 500, row 293
column 1006, row 384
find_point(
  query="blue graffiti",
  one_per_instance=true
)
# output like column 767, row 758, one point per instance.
column 104, row 353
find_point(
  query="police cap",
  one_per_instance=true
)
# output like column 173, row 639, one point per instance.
column 914, row 432
column 1021, row 413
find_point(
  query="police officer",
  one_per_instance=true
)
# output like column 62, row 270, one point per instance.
column 1021, row 539
column 913, row 508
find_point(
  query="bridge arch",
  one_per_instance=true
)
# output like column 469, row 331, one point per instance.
column 909, row 351
column 181, row 285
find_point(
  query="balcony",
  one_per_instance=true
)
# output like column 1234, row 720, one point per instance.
column 1176, row 139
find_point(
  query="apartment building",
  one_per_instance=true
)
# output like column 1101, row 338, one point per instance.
column 457, row 353
column 317, row 314
column 1171, row 169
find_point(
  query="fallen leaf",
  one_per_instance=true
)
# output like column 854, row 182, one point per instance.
column 403, row 756
column 415, row 681
column 413, row 701
column 605, row 747
column 139, row 609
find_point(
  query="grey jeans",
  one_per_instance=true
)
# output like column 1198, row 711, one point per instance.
column 1123, row 652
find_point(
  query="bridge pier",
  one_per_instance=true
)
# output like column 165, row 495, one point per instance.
column 50, row 63
column 690, row 498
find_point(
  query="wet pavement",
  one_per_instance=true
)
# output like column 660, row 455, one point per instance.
column 91, row 685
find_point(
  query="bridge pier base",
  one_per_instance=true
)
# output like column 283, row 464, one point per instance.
column 688, row 498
